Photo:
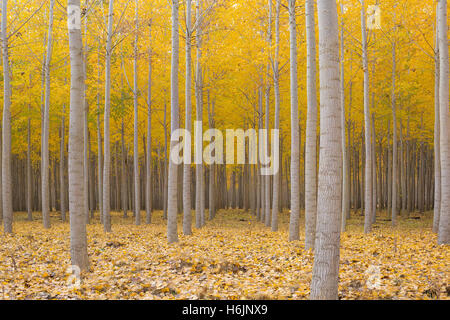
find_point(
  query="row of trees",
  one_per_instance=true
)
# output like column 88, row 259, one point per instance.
column 379, row 156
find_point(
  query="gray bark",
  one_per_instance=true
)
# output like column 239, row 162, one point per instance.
column 45, row 134
column 6, row 126
column 137, row 201
column 324, row 285
column 172, row 235
column 368, row 147
column 187, row 206
column 276, row 86
column 148, row 184
column 437, row 154
column 78, row 238
column 311, row 131
column 444, row 219
column 295, row 147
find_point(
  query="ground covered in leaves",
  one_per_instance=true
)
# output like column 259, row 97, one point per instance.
column 232, row 257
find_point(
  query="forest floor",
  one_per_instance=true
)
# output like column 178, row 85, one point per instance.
column 232, row 257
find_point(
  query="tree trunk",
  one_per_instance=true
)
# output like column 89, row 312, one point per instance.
column 444, row 220
column 187, row 206
column 324, row 285
column 368, row 156
column 295, row 148
column 172, row 235
column 345, row 169
column 137, row 201
column 6, row 134
column 199, row 118
column 29, row 182
column 107, row 157
column 437, row 154
column 148, row 180
column 311, row 131
column 45, row 154
column 62, row 168
column 78, row 238
column 394, row 141
column 276, row 86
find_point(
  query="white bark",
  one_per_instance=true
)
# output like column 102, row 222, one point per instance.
column 62, row 169
column 6, row 134
column 78, row 239
column 345, row 164
column 368, row 147
column 106, row 135
column 394, row 142
column 45, row 134
column 324, row 283
column 295, row 148
column 199, row 117
column 276, row 86
column 172, row 235
column 29, row 182
column 444, row 220
column 100, row 149
column 86, row 164
column 437, row 153
column 187, row 206
column 137, row 196
column 311, row 130
column 148, row 185
column 267, row 177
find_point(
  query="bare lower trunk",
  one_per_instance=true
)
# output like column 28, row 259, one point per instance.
column 187, row 206
column 45, row 155
column 295, row 148
column 78, row 238
column 437, row 154
column 345, row 164
column 148, row 184
column 107, row 148
column 137, row 198
column 6, row 133
column 324, row 285
column 276, row 85
column 311, row 131
column 172, row 235
column 444, row 219
column 62, row 169
column 368, row 147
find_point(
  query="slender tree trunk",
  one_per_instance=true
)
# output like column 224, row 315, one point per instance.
column 62, row 168
column 45, row 154
column 437, row 154
column 148, row 185
column 368, row 156
column 99, row 144
column 78, row 238
column 394, row 142
column 172, row 235
column 345, row 169
column 444, row 219
column 29, row 182
column 199, row 118
column 295, row 148
column 187, row 206
column 107, row 147
column 267, row 114
column 311, row 131
column 7, row 205
column 137, row 201
column 325, row 276
column 276, row 86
